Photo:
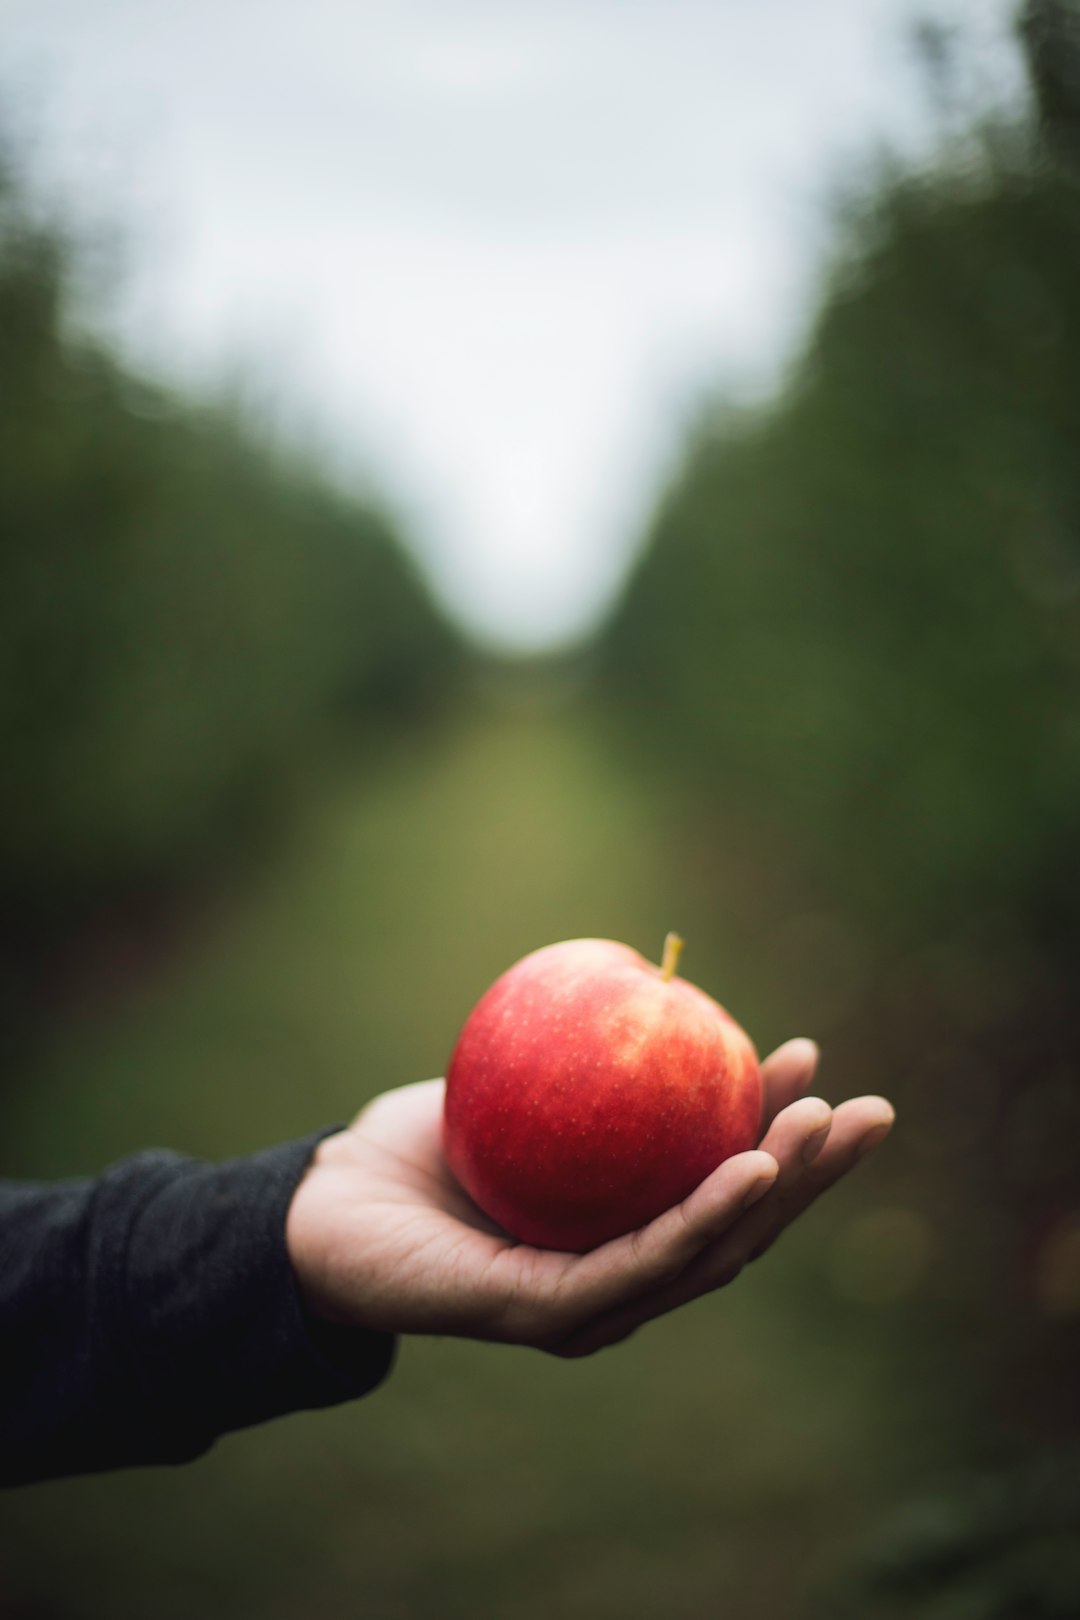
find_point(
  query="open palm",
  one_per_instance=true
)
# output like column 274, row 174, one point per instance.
column 382, row 1236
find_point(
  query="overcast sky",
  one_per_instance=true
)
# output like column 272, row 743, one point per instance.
column 492, row 249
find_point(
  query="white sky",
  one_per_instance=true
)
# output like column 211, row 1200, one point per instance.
column 491, row 250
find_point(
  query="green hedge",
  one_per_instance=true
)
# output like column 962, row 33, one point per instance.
column 186, row 610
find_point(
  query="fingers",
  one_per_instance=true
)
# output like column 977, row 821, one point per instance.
column 640, row 1262
column 810, row 1161
column 785, row 1075
column 796, row 1138
column 797, row 1134
column 858, row 1126
column 627, row 1274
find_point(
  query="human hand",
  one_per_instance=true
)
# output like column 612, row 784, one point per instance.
column 381, row 1235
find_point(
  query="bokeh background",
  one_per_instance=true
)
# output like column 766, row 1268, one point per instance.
column 473, row 476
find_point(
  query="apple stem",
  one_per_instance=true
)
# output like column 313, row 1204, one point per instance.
column 672, row 951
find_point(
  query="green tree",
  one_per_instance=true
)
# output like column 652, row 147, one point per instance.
column 854, row 628
column 857, row 613
column 187, row 612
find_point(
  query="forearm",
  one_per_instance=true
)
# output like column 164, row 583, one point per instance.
column 148, row 1311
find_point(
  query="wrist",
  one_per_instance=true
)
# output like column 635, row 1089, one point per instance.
column 309, row 1236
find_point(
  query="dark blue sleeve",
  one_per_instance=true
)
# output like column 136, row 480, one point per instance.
column 148, row 1311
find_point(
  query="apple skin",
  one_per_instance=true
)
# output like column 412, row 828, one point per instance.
column 587, row 1093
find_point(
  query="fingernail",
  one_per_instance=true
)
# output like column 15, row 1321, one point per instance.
column 814, row 1144
column 872, row 1138
column 758, row 1190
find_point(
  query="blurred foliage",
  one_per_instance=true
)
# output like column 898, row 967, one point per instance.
column 983, row 1547
column 853, row 638
column 858, row 612
column 188, row 613
column 1051, row 34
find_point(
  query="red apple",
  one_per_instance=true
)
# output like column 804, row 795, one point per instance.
column 590, row 1090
